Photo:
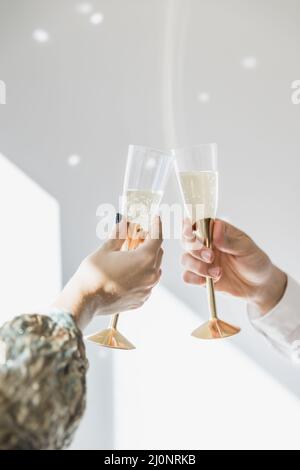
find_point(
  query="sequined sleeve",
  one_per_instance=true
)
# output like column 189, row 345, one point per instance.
column 42, row 381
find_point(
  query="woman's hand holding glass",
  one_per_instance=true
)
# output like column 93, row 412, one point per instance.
column 111, row 280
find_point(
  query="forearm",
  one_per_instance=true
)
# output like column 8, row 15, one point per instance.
column 73, row 300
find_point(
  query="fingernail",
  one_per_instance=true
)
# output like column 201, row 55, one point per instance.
column 214, row 272
column 118, row 217
column 207, row 255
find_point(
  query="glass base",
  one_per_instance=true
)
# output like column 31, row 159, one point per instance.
column 111, row 338
column 215, row 329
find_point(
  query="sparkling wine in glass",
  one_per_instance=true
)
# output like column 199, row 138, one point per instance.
column 196, row 169
column 146, row 174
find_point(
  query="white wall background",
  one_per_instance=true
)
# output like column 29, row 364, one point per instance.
column 30, row 267
column 136, row 78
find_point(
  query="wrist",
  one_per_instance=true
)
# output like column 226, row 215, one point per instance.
column 73, row 299
column 271, row 292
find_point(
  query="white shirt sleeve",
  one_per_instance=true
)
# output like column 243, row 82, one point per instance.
column 281, row 326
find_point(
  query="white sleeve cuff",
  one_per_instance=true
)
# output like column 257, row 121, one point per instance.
column 282, row 324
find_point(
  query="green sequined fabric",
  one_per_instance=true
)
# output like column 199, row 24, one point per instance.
column 42, row 381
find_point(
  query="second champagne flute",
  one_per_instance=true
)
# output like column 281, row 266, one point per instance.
column 196, row 169
column 146, row 174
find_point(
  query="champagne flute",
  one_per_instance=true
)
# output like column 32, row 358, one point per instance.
column 196, row 169
column 146, row 174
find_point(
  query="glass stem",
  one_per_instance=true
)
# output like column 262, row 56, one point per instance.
column 114, row 321
column 208, row 237
column 211, row 298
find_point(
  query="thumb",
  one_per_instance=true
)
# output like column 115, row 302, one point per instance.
column 230, row 239
column 155, row 237
column 117, row 237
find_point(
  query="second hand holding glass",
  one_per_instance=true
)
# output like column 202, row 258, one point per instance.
column 196, row 169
